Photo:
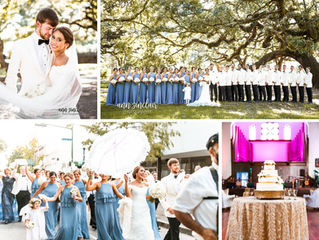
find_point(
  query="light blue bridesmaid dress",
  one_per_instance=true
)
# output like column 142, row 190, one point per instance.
column 82, row 205
column 164, row 90
column 175, row 90
column 151, row 206
column 110, row 99
column 193, row 88
column 134, row 89
column 151, row 89
column 158, row 91
column 8, row 201
column 180, row 90
column 51, row 216
column 116, row 206
column 187, row 80
column 198, row 88
column 143, row 90
column 1, row 215
column 169, row 91
column 70, row 227
column 127, row 90
column 35, row 186
column 119, row 91
column 104, row 213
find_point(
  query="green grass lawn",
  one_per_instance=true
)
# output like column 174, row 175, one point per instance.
column 227, row 110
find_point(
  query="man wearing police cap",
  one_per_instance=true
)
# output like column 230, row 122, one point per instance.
column 199, row 198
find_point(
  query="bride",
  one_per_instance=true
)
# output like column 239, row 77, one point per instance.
column 140, row 223
column 58, row 95
column 204, row 98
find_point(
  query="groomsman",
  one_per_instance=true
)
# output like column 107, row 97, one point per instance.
column 268, row 81
column 255, row 82
column 241, row 81
column 301, row 83
column 228, row 82
column 199, row 198
column 292, row 82
column 262, row 83
column 277, row 82
column 213, row 83
column 285, row 83
column 309, row 84
column 222, row 84
column 248, row 81
column 172, row 184
column 234, row 86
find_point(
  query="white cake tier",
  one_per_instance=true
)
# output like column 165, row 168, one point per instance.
column 269, row 186
column 269, row 167
column 268, row 173
column 268, row 179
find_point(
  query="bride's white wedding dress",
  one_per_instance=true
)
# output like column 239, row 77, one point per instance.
column 204, row 98
column 59, row 99
column 140, row 222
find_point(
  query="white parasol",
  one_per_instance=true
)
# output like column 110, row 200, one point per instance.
column 118, row 152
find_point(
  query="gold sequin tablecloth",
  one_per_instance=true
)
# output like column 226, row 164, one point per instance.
column 253, row 219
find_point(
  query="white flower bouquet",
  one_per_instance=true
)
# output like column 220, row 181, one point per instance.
column 38, row 90
column 158, row 81
column 136, row 80
column 176, row 79
column 73, row 192
column 165, row 79
column 200, row 79
column 121, row 79
column 129, row 78
column 157, row 190
column 29, row 224
column 151, row 79
column 113, row 81
column 194, row 80
column 182, row 79
column 145, row 80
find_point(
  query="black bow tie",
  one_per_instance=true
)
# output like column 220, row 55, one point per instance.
column 40, row 41
column 175, row 176
column 96, row 177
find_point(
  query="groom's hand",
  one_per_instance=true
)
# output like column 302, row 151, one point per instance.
column 209, row 234
column 170, row 210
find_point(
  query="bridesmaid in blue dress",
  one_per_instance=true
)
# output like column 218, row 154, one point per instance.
column 135, row 86
column 119, row 185
column 70, row 222
column 49, row 189
column 143, row 86
column 127, row 86
column 151, row 86
column 7, row 198
column 80, row 184
column 151, row 206
column 169, row 87
column 164, row 85
column 175, row 86
column 120, row 87
column 193, row 84
column 110, row 99
column 181, row 85
column 104, row 208
column 198, row 88
column 158, row 89
column 35, row 180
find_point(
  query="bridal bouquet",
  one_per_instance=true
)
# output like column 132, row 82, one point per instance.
column 200, row 79
column 176, row 79
column 145, row 80
column 182, row 79
column 113, row 81
column 157, row 190
column 164, row 79
column 158, row 81
column 73, row 192
column 39, row 90
column 194, row 80
column 129, row 78
column 29, row 224
column 121, row 79
column 151, row 79
column 136, row 80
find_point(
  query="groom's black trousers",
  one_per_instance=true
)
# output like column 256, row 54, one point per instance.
column 213, row 92
column 173, row 232
column 23, row 198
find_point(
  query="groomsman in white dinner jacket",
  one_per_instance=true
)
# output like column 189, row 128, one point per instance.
column 277, row 83
column 213, row 83
column 31, row 56
column 269, row 82
column 285, row 83
column 309, row 84
column 293, row 83
column 172, row 184
column 301, row 79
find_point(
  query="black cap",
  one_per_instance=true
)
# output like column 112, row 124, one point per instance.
column 211, row 141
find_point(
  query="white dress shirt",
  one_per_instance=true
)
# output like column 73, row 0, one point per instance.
column 309, row 80
column 43, row 53
column 292, row 79
column 228, row 78
column 234, row 76
column 22, row 183
column 248, row 77
column 301, row 78
column 255, row 77
column 277, row 78
column 262, row 78
column 241, row 74
column 285, row 78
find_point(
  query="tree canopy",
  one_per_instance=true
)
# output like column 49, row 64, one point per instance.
column 190, row 32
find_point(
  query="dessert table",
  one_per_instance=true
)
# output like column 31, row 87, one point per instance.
column 282, row 219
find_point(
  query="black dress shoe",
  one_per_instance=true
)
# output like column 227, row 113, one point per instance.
column 6, row 222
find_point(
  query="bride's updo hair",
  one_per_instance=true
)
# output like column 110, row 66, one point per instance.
column 68, row 35
column 135, row 171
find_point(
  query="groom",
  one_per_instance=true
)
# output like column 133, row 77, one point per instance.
column 31, row 56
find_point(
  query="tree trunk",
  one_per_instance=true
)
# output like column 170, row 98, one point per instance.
column 90, row 57
column 304, row 60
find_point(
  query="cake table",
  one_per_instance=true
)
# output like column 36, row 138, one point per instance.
column 254, row 219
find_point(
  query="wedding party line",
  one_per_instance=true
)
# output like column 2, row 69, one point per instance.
column 196, row 87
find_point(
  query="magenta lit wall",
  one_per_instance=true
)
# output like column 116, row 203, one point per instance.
column 270, row 150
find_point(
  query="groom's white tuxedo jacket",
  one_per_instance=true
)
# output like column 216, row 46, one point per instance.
column 172, row 186
column 30, row 60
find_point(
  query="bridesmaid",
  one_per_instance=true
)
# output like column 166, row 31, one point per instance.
column 164, row 85
column 120, row 87
column 80, row 184
column 181, row 85
column 127, row 86
column 35, row 180
column 135, row 86
column 193, row 84
column 158, row 90
column 8, row 199
column 151, row 86
column 169, row 87
column 119, row 185
column 104, row 207
column 198, row 88
column 110, row 99
column 49, row 189
column 143, row 86
column 70, row 222
column 175, row 86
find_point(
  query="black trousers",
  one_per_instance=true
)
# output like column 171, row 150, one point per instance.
column 277, row 91
column 293, row 93
column 241, row 92
column 220, row 92
column 309, row 94
column 248, row 92
column 91, row 201
column 234, row 89
column 269, row 92
column 262, row 93
column 213, row 92
column 286, row 93
column 173, row 232
column 229, row 96
column 256, row 93
column 23, row 198
column 301, row 93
